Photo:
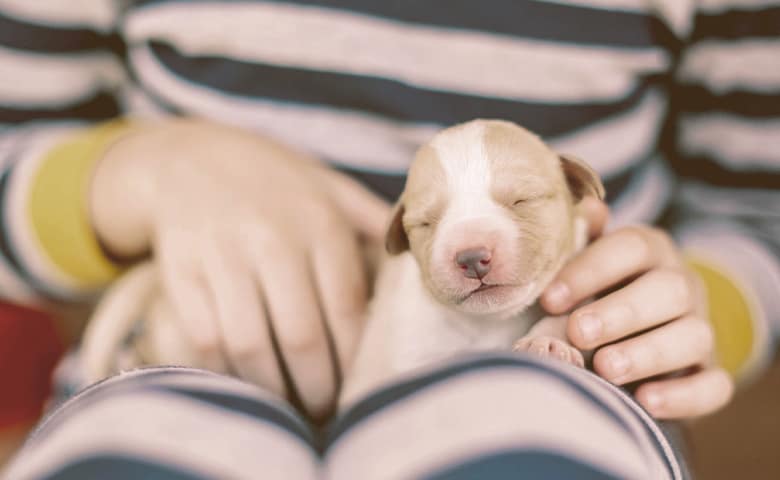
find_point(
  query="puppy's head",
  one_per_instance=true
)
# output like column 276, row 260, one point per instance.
column 489, row 213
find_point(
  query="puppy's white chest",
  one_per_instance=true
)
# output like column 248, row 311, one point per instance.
column 445, row 334
column 407, row 329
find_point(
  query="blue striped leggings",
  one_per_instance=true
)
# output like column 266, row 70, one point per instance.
column 484, row 417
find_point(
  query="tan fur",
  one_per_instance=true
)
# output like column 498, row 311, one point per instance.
column 531, row 175
column 582, row 179
column 426, row 194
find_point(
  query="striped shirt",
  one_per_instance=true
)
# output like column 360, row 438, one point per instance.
column 676, row 103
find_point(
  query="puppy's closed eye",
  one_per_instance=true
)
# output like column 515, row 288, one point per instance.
column 417, row 223
column 532, row 197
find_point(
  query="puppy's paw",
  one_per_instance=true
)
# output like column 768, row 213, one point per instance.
column 550, row 347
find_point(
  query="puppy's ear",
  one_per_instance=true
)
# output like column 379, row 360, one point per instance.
column 396, row 240
column 582, row 179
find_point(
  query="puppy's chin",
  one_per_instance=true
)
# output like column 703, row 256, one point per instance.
column 491, row 300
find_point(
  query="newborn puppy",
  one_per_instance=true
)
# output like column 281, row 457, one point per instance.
column 487, row 218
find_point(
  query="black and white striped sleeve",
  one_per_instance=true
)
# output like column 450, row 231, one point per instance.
column 58, row 61
column 727, row 108
column 60, row 72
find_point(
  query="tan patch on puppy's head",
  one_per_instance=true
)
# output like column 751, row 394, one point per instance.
column 421, row 204
column 531, row 186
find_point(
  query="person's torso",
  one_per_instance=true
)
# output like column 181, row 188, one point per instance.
column 362, row 84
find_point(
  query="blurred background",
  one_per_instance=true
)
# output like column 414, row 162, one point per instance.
column 740, row 440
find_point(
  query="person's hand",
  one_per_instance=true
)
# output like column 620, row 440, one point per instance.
column 252, row 240
column 652, row 323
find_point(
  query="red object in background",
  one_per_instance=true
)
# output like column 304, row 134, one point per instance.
column 29, row 350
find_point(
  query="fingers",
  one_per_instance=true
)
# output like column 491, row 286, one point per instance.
column 191, row 300
column 116, row 314
column 292, row 305
column 341, row 281
column 694, row 395
column 608, row 261
column 680, row 344
column 628, row 310
column 245, row 331
column 596, row 213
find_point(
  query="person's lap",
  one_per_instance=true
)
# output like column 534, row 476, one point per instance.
column 491, row 416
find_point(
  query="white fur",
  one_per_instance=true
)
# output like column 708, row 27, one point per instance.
column 406, row 329
column 468, row 175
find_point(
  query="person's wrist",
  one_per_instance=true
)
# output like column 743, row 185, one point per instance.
column 122, row 194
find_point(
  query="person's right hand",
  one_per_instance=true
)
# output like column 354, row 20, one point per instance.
column 252, row 240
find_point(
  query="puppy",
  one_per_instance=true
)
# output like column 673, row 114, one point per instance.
column 487, row 218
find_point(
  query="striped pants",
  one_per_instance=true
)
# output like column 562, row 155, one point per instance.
column 485, row 417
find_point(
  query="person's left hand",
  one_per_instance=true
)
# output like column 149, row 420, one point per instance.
column 653, row 325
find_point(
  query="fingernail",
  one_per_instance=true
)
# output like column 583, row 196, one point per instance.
column 619, row 364
column 590, row 327
column 654, row 401
column 558, row 293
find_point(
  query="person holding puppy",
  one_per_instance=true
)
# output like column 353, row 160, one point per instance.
column 257, row 240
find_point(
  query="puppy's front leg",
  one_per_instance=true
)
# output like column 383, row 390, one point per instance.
column 547, row 338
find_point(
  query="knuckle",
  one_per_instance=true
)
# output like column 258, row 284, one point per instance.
column 205, row 344
column 265, row 234
column 662, row 237
column 643, row 394
column 325, row 214
column 651, row 358
column 620, row 319
column 352, row 310
column 245, row 347
column 299, row 342
column 267, row 238
column 607, row 360
column 679, row 286
column 328, row 222
column 637, row 242
column 601, row 362
column 704, row 336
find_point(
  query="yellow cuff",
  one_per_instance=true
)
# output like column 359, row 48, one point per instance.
column 58, row 205
column 731, row 315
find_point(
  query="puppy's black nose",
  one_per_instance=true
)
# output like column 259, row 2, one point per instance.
column 474, row 262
